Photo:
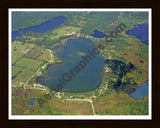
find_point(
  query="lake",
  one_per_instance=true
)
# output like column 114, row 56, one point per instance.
column 15, row 34
column 88, row 78
column 99, row 34
column 140, row 92
column 140, row 31
column 44, row 27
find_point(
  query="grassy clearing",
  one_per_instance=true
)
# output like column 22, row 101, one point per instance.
column 16, row 45
column 64, row 30
column 54, row 106
column 120, row 104
column 70, row 107
column 16, row 70
column 35, row 53
column 22, row 76
column 18, row 50
column 29, row 63
column 21, row 47
column 16, row 56
column 45, row 56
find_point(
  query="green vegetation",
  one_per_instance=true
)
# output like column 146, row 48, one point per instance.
column 64, row 31
column 21, row 76
column 16, row 56
column 35, row 53
column 55, row 106
column 16, row 70
column 29, row 63
column 120, row 104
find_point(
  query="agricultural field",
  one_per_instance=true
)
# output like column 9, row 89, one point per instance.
column 45, row 56
column 21, row 76
column 16, row 70
column 29, row 63
column 16, row 56
column 24, row 62
column 35, row 53
column 65, row 31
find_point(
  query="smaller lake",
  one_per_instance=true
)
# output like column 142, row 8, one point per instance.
column 25, row 94
column 31, row 101
column 99, row 34
column 140, row 31
column 44, row 27
column 15, row 34
column 140, row 92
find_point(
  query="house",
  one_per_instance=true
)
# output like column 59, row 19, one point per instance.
column 28, row 50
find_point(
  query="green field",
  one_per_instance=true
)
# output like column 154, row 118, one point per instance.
column 29, row 63
column 16, row 70
column 22, row 75
column 16, row 56
column 35, row 53
column 64, row 30
column 120, row 104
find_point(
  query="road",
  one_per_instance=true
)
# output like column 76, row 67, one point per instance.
column 31, row 78
column 88, row 100
column 50, row 54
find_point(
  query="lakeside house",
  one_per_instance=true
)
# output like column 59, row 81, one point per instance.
column 28, row 50
column 68, row 34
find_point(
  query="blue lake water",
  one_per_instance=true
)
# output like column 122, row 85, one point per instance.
column 25, row 94
column 131, row 66
column 140, row 92
column 13, row 77
column 15, row 34
column 31, row 101
column 44, row 27
column 140, row 31
column 99, row 34
column 88, row 78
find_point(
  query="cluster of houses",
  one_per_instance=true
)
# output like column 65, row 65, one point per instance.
column 27, row 50
column 21, row 83
column 68, row 34
column 39, row 86
column 107, row 69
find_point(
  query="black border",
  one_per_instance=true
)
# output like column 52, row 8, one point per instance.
column 154, row 4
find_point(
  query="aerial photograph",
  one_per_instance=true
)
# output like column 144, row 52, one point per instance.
column 79, row 63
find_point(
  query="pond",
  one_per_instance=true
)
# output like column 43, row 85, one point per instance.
column 25, row 94
column 44, row 27
column 140, row 92
column 31, row 101
column 82, row 78
column 140, row 31
column 99, row 34
column 13, row 77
